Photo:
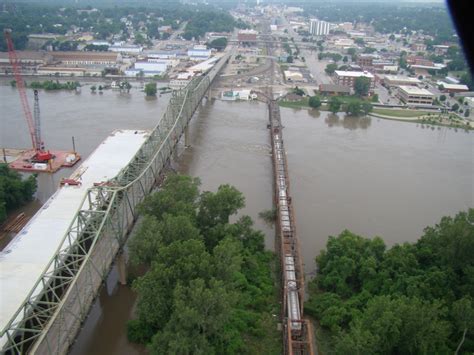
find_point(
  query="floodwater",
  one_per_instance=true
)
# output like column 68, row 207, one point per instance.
column 372, row 176
column 90, row 118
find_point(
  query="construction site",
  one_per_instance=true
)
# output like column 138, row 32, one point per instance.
column 37, row 159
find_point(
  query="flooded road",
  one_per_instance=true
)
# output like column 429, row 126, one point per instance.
column 372, row 176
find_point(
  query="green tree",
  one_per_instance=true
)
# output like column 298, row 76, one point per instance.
column 362, row 86
column 216, row 208
column 334, row 104
column 178, row 196
column 150, row 89
column 219, row 43
column 14, row 191
column 354, row 108
column 314, row 101
column 366, row 107
column 442, row 98
column 463, row 315
column 331, row 68
column 345, row 59
column 455, row 107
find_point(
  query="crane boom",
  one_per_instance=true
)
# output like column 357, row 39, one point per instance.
column 37, row 123
column 21, row 88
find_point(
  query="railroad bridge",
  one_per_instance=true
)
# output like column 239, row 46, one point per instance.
column 297, row 331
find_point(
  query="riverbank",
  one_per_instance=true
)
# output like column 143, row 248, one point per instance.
column 403, row 115
column 430, row 119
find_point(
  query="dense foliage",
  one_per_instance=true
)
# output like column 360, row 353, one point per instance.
column 219, row 43
column 109, row 19
column 409, row 299
column 209, row 288
column 210, row 20
column 54, row 85
column 390, row 17
column 14, row 192
column 150, row 89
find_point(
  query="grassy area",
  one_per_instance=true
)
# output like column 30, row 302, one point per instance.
column 303, row 103
column 400, row 113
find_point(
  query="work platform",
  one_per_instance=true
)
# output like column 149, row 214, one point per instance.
column 24, row 260
column 23, row 161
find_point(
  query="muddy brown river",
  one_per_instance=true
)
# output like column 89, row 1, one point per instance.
column 369, row 175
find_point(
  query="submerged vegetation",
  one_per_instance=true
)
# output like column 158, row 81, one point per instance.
column 54, row 85
column 410, row 299
column 209, row 288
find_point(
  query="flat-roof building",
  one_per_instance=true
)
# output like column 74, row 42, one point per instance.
column 394, row 80
column 87, row 58
column 247, row 36
column 347, row 78
column 452, row 87
column 415, row 96
column 332, row 89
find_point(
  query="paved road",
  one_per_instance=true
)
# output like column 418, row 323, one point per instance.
column 316, row 67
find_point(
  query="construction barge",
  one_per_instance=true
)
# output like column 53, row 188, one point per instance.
column 24, row 160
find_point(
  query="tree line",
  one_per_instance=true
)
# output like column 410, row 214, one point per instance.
column 14, row 191
column 209, row 287
column 413, row 298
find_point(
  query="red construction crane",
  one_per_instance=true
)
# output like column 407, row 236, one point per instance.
column 35, row 135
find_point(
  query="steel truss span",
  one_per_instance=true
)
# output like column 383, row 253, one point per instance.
column 51, row 315
column 297, row 331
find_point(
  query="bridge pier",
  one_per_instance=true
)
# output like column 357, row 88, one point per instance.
column 122, row 268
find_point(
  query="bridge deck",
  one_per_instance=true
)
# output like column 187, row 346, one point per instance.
column 25, row 258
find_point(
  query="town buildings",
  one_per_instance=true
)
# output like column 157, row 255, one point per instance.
column 412, row 95
column 319, row 28
column 347, row 78
column 247, row 36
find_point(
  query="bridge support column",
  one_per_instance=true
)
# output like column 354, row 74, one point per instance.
column 186, row 136
column 122, row 268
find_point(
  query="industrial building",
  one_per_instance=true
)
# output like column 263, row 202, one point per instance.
column 125, row 48
column 247, row 36
column 446, row 87
column 415, row 96
column 319, row 28
column 394, row 80
column 87, row 58
column 199, row 53
column 347, row 78
column 332, row 89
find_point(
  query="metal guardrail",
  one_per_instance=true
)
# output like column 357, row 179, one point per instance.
column 51, row 314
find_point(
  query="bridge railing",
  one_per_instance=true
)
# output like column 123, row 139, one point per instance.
column 52, row 313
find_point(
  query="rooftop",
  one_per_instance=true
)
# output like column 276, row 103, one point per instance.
column 413, row 90
column 402, row 78
column 453, row 86
column 354, row 74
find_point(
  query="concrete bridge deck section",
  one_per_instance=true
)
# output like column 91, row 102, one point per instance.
column 28, row 254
